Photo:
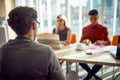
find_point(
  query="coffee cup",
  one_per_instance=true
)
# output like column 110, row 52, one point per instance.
column 81, row 46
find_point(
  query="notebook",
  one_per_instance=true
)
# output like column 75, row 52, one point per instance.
column 50, row 39
column 115, row 52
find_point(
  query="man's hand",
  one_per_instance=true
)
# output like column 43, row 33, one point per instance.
column 86, row 41
column 99, row 42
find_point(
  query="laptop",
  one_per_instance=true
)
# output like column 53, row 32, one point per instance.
column 50, row 39
column 116, row 50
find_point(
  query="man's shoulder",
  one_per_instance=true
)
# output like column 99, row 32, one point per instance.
column 102, row 26
column 29, row 43
column 33, row 47
column 85, row 27
column 6, row 44
column 42, row 46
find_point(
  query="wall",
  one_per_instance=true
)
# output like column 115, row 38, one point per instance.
column 5, row 7
column 2, row 8
column 9, row 5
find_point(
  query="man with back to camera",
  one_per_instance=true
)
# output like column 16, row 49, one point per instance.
column 96, row 34
column 24, row 59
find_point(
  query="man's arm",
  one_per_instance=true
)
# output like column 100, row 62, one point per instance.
column 107, row 37
column 83, row 39
column 55, row 72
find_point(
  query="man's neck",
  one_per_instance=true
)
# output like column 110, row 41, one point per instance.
column 20, row 37
column 28, row 36
column 94, row 24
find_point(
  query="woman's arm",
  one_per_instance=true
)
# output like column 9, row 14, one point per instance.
column 69, row 36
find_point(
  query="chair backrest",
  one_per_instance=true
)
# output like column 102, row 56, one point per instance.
column 46, row 33
column 73, row 39
column 115, row 39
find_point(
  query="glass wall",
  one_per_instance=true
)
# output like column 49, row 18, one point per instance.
column 97, row 4
column 109, row 15
column 44, row 18
column 74, row 16
column 85, row 9
column 76, row 12
column 118, row 18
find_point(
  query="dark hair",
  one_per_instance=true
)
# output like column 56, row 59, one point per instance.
column 21, row 18
column 93, row 12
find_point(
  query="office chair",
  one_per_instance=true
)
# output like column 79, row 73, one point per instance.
column 115, row 39
column 73, row 39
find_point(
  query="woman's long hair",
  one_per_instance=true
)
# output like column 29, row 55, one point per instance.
column 63, row 17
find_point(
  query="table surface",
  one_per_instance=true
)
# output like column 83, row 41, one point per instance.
column 100, row 55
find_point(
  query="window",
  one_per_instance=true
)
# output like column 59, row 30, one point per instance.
column 76, row 12
column 118, row 18
column 109, row 15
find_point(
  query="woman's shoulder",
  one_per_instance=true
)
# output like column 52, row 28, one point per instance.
column 68, row 28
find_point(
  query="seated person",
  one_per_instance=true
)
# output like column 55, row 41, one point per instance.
column 63, row 30
column 97, row 34
column 24, row 59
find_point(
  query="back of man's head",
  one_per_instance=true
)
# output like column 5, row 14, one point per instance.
column 93, row 12
column 21, row 18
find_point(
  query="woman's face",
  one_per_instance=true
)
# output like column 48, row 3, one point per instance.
column 60, row 23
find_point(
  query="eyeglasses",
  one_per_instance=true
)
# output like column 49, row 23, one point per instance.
column 38, row 24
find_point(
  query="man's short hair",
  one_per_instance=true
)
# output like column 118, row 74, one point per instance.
column 21, row 19
column 93, row 12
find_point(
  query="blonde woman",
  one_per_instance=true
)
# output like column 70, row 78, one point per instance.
column 63, row 30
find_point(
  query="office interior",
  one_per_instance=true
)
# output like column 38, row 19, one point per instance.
column 76, row 12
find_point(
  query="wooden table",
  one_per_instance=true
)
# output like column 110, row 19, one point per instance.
column 100, row 56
